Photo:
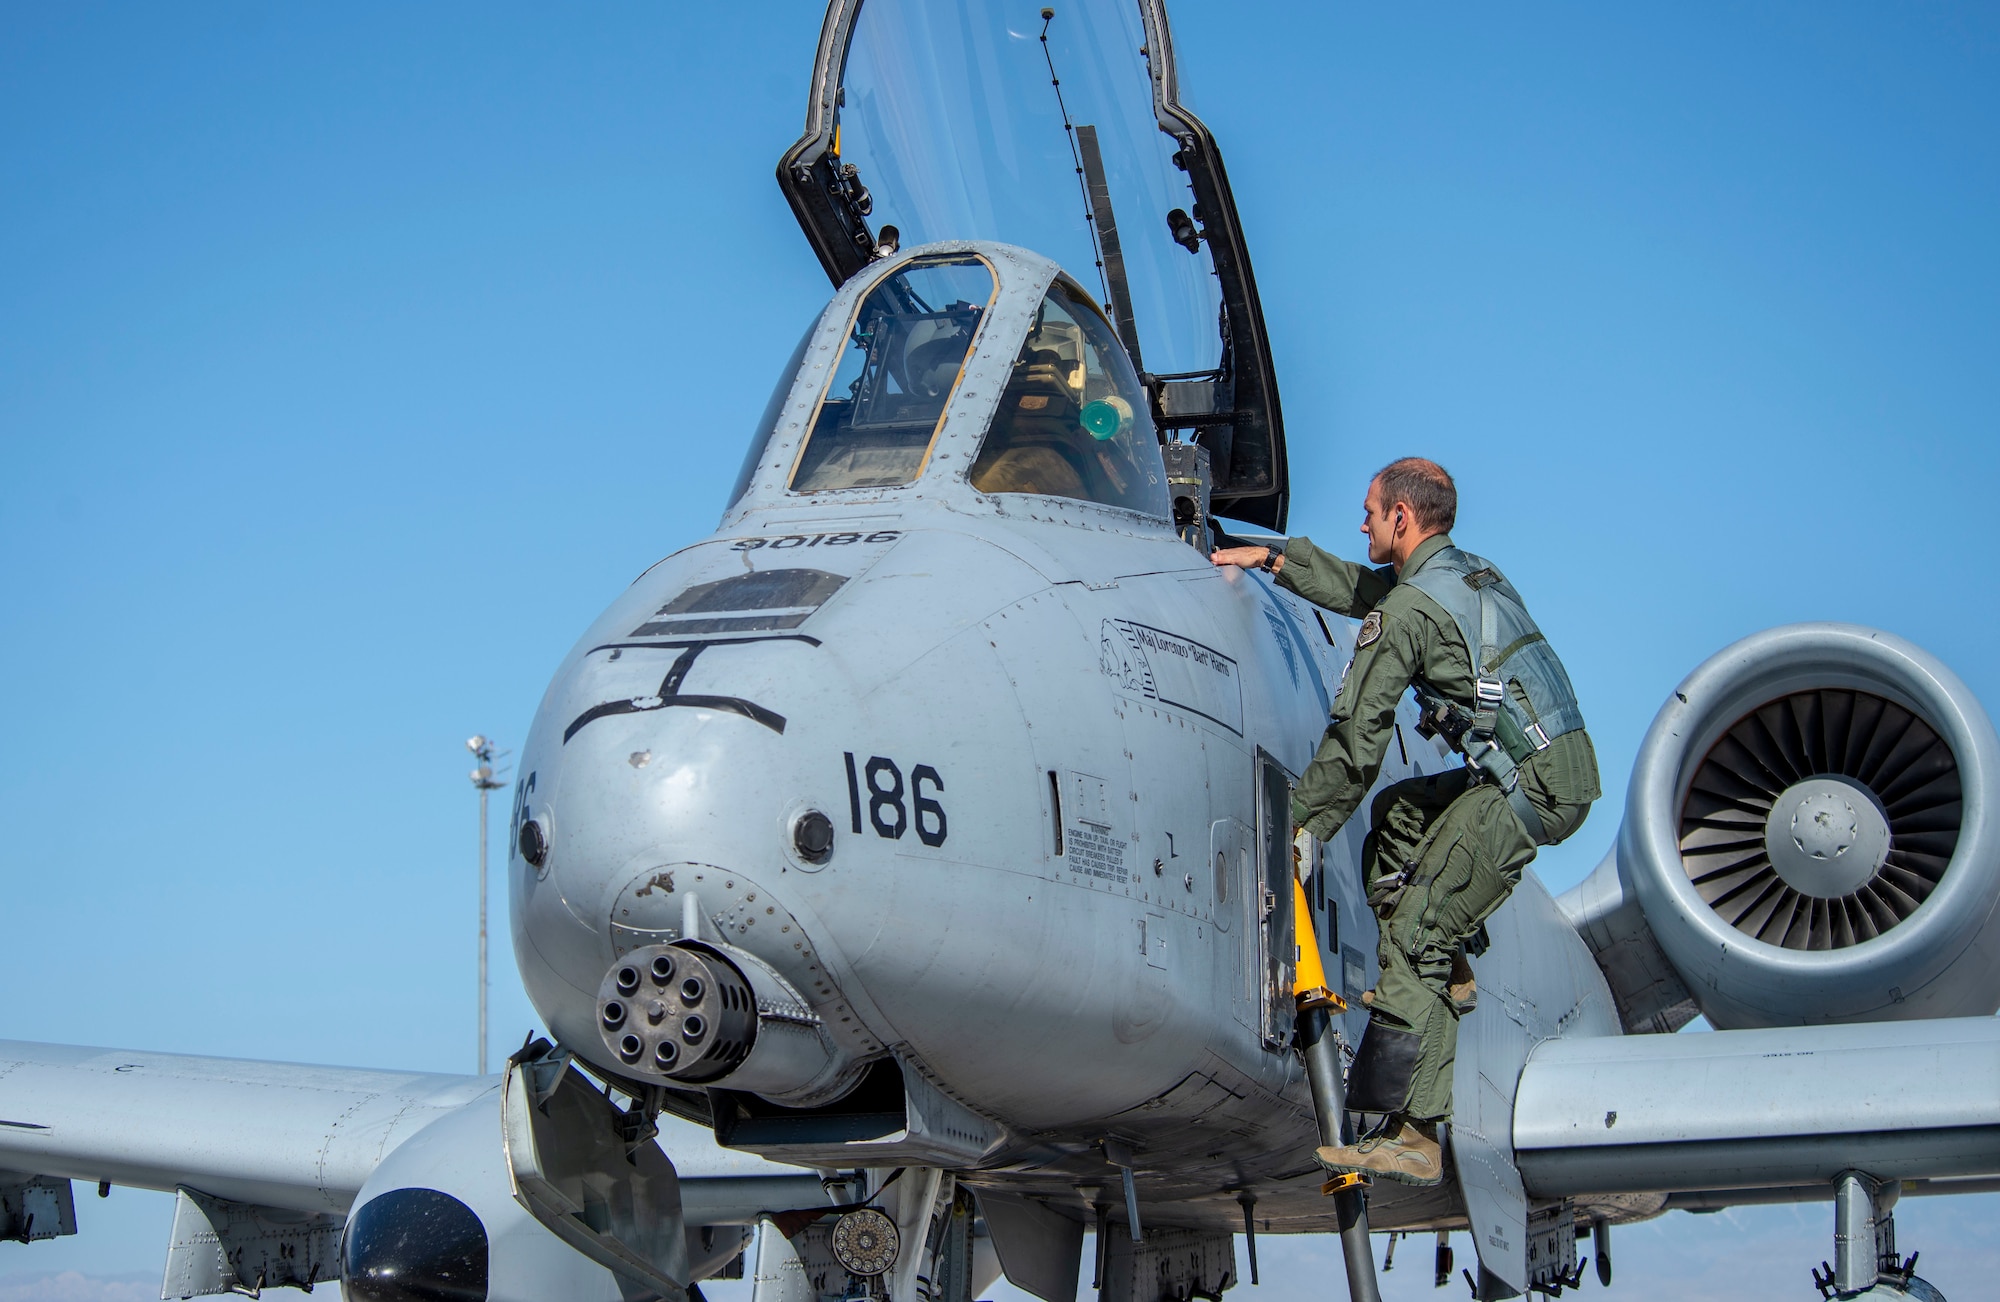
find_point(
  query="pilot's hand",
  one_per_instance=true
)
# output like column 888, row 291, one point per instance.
column 1249, row 558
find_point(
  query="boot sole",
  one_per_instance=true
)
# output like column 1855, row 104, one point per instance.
column 1381, row 1175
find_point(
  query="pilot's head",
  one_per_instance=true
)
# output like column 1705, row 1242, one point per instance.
column 1409, row 500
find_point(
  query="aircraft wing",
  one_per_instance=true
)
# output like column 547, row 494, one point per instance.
column 270, row 1160
column 1761, row 1109
column 271, row 1134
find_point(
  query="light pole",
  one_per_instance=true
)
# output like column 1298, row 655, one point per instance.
column 484, row 780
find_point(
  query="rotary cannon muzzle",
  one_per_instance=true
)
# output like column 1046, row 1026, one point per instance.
column 701, row 1017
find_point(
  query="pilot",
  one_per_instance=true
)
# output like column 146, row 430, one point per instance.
column 1443, row 851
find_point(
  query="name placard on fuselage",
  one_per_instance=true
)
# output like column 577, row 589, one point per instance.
column 1176, row 671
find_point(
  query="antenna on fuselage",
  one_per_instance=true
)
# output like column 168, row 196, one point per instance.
column 1097, row 215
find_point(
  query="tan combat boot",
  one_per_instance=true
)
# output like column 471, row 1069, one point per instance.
column 1401, row 1150
column 1462, row 990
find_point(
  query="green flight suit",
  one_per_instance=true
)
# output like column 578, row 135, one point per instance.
column 1442, row 852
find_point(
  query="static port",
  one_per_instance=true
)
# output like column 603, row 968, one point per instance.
column 614, row 1013
column 628, row 980
column 692, row 1027
column 629, row 1048
column 667, row 1054
column 691, row 990
column 663, row 969
column 812, row 836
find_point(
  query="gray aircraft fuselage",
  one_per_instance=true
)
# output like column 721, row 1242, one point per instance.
column 1052, row 740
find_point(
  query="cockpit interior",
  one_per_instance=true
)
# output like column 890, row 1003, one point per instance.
column 886, row 401
column 1073, row 421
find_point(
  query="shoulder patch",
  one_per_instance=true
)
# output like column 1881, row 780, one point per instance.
column 1371, row 630
column 1483, row 577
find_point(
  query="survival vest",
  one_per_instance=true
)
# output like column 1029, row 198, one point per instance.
column 1522, row 694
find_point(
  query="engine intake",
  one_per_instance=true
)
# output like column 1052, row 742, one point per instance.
column 1821, row 819
column 1808, row 837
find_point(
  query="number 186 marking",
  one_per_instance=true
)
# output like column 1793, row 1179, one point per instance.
column 887, row 812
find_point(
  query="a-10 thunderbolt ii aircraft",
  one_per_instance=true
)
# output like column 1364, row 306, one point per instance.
column 906, row 868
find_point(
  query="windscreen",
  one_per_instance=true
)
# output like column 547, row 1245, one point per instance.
column 1073, row 420
column 953, row 121
column 887, row 398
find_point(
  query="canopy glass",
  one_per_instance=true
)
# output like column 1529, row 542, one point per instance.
column 1059, row 129
column 952, row 121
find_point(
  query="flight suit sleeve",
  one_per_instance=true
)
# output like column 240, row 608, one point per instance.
column 1326, row 580
column 1364, row 714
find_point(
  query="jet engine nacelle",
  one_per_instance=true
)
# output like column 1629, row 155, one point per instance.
column 1809, row 836
column 439, row 1220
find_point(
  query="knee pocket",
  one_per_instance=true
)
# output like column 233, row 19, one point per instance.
column 1458, row 913
column 1450, row 903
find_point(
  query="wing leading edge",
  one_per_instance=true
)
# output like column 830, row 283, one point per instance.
column 1761, row 1109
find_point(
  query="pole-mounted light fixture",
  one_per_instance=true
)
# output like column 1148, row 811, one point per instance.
column 484, row 780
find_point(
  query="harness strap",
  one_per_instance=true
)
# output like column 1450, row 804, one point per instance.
column 1488, row 691
column 1491, row 763
column 1506, row 653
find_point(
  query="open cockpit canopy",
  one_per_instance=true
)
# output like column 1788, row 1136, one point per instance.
column 1059, row 130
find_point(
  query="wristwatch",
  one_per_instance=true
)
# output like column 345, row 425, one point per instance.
column 1270, row 565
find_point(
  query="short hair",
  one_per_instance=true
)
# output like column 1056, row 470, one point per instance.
column 1427, row 489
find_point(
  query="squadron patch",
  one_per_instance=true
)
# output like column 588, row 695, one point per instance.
column 1371, row 630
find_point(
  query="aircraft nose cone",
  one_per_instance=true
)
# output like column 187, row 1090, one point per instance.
column 1826, row 837
column 414, row 1245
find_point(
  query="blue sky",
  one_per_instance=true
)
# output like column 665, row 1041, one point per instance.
column 353, row 357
